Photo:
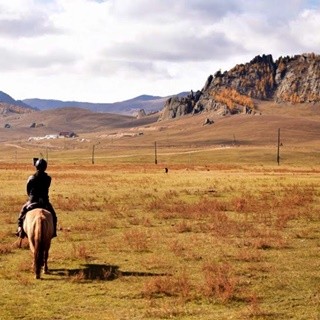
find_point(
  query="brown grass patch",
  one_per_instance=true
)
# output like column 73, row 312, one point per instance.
column 137, row 240
column 159, row 286
column 6, row 248
column 219, row 281
column 80, row 252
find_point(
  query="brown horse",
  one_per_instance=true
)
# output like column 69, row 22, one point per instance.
column 38, row 225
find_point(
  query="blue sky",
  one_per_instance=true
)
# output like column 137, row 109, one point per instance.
column 113, row 50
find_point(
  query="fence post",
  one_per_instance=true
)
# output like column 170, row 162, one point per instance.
column 278, row 153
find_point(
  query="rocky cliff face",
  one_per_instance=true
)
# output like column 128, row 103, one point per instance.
column 298, row 79
column 289, row 79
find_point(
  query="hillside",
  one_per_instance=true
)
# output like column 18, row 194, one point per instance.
column 300, row 126
column 6, row 100
column 8, row 109
column 77, row 120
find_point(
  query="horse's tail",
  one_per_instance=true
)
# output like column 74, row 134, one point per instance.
column 39, row 245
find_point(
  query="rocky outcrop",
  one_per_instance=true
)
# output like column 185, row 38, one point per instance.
column 141, row 114
column 298, row 79
column 289, row 79
column 176, row 107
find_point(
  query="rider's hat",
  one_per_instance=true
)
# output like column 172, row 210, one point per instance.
column 41, row 165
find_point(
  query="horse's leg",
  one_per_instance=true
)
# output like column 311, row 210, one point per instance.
column 33, row 262
column 45, row 268
column 33, row 266
column 38, row 258
column 36, row 266
column 34, row 250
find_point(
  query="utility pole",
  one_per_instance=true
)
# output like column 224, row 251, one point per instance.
column 93, row 148
column 155, row 153
column 278, row 153
column 92, row 161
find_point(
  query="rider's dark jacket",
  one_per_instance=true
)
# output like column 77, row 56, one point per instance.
column 38, row 187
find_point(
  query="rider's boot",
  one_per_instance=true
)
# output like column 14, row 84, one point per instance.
column 20, row 233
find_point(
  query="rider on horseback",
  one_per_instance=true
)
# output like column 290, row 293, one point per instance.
column 38, row 191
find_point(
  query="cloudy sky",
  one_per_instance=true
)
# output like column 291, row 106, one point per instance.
column 114, row 50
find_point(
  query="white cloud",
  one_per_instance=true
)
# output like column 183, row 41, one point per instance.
column 110, row 50
column 307, row 25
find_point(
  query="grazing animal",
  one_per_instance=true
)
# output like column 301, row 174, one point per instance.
column 38, row 225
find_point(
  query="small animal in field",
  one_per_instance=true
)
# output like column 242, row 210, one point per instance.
column 38, row 225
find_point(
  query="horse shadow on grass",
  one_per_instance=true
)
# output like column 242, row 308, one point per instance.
column 105, row 272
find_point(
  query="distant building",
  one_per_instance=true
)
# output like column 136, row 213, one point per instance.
column 51, row 136
column 67, row 134
column 36, row 125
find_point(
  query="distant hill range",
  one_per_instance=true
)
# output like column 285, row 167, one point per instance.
column 287, row 80
column 147, row 103
column 128, row 107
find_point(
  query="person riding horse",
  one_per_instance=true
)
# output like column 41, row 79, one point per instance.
column 38, row 192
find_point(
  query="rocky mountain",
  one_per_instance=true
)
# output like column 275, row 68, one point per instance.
column 293, row 80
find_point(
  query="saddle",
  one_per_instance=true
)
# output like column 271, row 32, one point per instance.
column 35, row 205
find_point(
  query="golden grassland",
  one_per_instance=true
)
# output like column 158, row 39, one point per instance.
column 219, row 236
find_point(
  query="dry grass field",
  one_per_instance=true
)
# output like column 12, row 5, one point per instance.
column 227, row 233
column 214, row 242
